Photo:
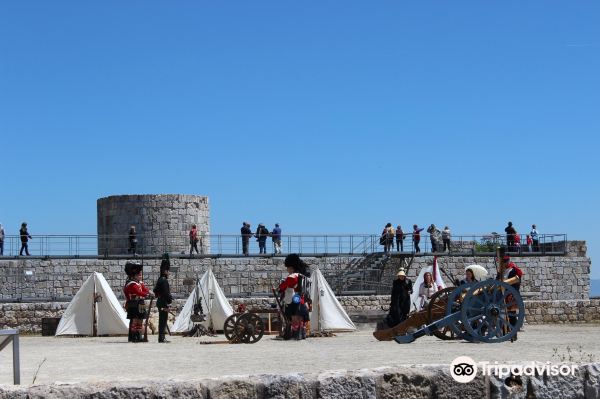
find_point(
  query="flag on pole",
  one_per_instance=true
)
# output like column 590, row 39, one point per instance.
column 437, row 276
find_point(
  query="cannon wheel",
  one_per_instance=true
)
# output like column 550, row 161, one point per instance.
column 437, row 310
column 484, row 311
column 229, row 328
column 251, row 328
column 454, row 305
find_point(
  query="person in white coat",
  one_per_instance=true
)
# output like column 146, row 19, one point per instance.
column 427, row 289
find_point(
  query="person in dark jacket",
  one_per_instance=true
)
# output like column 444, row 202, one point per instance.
column 261, row 236
column 246, row 234
column 132, row 240
column 510, row 236
column 399, row 239
column 400, row 301
column 25, row 237
column 276, row 235
column 163, row 297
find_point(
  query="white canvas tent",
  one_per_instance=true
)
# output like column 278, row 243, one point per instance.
column 214, row 303
column 95, row 301
column 327, row 313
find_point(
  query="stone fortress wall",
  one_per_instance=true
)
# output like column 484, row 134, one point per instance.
column 34, row 279
column 162, row 222
column 555, row 288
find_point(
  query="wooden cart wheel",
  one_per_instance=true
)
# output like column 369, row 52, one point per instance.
column 229, row 328
column 437, row 310
column 251, row 328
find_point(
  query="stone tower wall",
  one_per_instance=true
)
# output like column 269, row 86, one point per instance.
column 162, row 222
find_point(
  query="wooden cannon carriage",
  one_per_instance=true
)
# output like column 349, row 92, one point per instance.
column 476, row 312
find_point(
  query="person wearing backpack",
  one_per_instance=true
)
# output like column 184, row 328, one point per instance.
column 387, row 237
column 296, row 296
column 261, row 236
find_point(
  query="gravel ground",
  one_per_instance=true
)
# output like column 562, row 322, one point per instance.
column 112, row 358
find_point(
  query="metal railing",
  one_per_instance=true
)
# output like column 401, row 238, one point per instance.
column 232, row 245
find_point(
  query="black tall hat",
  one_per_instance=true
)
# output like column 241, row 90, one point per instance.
column 131, row 269
column 165, row 263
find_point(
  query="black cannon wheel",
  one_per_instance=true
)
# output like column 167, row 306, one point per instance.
column 229, row 328
column 454, row 305
column 437, row 310
column 485, row 311
column 251, row 328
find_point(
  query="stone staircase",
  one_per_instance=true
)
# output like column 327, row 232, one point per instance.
column 371, row 275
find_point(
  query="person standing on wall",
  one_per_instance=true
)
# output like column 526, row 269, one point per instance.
column 416, row 236
column 276, row 235
column 193, row 240
column 535, row 238
column 25, row 237
column 510, row 236
column 1, row 240
column 434, row 236
column 246, row 234
column 164, row 297
column 132, row 240
column 446, row 237
column 399, row 239
column 261, row 236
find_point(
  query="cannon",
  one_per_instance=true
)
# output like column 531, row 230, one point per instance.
column 489, row 311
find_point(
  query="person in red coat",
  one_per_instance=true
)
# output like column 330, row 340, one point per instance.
column 296, row 296
column 513, row 272
column 135, row 292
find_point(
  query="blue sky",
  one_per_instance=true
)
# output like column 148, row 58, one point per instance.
column 325, row 117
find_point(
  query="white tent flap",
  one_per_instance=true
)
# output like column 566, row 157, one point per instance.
column 327, row 313
column 217, row 308
column 78, row 318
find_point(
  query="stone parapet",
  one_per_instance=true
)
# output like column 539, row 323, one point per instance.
column 431, row 381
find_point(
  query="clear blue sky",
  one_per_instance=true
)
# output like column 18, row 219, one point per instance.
column 325, row 117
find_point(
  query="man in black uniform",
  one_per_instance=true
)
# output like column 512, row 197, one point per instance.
column 163, row 297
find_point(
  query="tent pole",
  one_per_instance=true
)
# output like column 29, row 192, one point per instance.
column 94, row 329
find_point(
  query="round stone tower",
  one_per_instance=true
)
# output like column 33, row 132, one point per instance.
column 162, row 223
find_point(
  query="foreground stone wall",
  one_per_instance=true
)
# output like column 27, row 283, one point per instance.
column 162, row 222
column 30, row 279
column 27, row 317
column 407, row 382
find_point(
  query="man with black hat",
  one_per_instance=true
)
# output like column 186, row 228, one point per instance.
column 164, row 298
column 135, row 293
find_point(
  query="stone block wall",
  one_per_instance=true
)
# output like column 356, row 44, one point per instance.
column 162, row 222
column 27, row 317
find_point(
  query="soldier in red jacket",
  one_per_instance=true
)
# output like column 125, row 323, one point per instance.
column 296, row 296
column 135, row 292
